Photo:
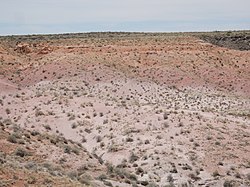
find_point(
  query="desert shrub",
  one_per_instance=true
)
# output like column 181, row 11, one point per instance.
column 84, row 140
column 127, row 181
column 7, row 122
column 17, row 129
column 158, row 137
column 129, row 139
column 228, row 183
column 122, row 173
column 67, row 149
column 72, row 175
column 133, row 157
column 110, row 168
column 144, row 183
column 12, row 138
column 21, row 152
column 75, row 150
column 165, row 116
column 107, row 183
column 113, row 148
column 47, row 127
column 102, row 177
column 47, row 181
column 7, row 110
column 170, row 185
column 248, row 176
column 30, row 165
column 74, row 125
column 21, row 141
column 2, row 160
column 139, row 170
column 48, row 166
column 194, row 176
column 217, row 143
column 102, row 144
column 27, row 135
column 170, row 178
column 72, row 117
column 31, row 180
column 237, row 175
column 132, row 177
column 152, row 184
column 98, row 139
column 85, row 179
column 39, row 113
column 215, row 174
column 54, row 140
column 34, row 133
column 134, row 184
column 87, row 130
column 165, row 124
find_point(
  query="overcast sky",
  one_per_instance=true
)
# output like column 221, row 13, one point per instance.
column 60, row 16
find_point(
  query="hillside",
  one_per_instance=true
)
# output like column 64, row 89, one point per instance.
column 125, row 109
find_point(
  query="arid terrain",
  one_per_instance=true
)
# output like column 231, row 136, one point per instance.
column 125, row 109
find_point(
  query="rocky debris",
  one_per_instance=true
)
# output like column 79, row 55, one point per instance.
column 2, row 51
column 23, row 48
column 45, row 50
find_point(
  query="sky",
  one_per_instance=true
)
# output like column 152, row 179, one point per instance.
column 64, row 16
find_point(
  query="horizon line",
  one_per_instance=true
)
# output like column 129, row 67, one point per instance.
column 132, row 32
